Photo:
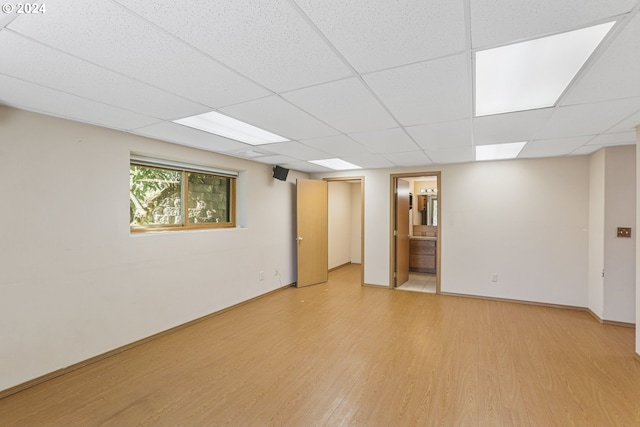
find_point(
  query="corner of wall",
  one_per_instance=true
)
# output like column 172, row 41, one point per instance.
column 637, row 243
column 595, row 282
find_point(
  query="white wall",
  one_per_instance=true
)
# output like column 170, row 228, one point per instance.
column 637, row 241
column 345, row 218
column 612, row 203
column 356, row 224
column 619, row 253
column 376, row 226
column 524, row 220
column 76, row 283
column 339, row 223
column 595, row 281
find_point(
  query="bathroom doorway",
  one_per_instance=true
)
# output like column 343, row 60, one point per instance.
column 415, row 232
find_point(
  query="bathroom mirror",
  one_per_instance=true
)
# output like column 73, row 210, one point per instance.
column 426, row 209
column 432, row 210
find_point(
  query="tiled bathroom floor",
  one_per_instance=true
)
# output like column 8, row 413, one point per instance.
column 420, row 282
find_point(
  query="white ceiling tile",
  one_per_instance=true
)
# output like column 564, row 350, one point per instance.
column 386, row 141
column 268, row 41
column 552, row 147
column 428, row 92
column 586, row 150
column 615, row 73
column 377, row 34
column 306, row 167
column 587, row 119
column 276, row 160
column 281, row 117
column 505, row 21
column 618, row 138
column 369, row 161
column 51, row 68
column 345, row 104
column 629, row 123
column 6, row 18
column 452, row 155
column 183, row 135
column 126, row 64
column 511, row 127
column 442, row 135
column 410, row 158
column 19, row 94
column 337, row 146
column 132, row 46
column 250, row 152
column 298, row 151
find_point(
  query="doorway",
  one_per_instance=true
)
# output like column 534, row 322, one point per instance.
column 415, row 257
column 312, row 219
column 346, row 222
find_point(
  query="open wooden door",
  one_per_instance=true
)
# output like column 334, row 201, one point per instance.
column 312, row 232
column 402, row 232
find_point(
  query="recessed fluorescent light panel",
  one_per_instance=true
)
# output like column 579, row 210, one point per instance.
column 499, row 151
column 219, row 124
column 335, row 164
column 532, row 74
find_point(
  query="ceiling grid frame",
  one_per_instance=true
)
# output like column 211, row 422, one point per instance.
column 480, row 30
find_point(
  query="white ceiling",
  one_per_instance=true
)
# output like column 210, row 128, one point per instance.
column 378, row 83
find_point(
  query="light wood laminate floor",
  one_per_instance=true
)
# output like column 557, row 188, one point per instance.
column 341, row 354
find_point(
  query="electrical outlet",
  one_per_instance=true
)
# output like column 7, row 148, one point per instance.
column 494, row 277
column 261, row 276
column 624, row 232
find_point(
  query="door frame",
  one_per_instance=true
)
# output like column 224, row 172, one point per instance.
column 392, row 224
column 362, row 236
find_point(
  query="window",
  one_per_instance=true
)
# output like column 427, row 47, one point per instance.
column 168, row 197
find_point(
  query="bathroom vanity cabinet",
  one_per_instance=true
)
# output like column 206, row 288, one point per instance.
column 422, row 254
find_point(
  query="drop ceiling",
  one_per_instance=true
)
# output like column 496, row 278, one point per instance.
column 377, row 83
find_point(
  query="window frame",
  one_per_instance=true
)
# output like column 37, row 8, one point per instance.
column 185, row 170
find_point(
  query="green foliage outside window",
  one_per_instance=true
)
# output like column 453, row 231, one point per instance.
column 158, row 198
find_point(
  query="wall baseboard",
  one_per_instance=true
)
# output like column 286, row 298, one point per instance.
column 340, row 266
column 516, row 301
column 610, row 322
column 594, row 315
column 371, row 285
column 47, row 377
column 548, row 305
